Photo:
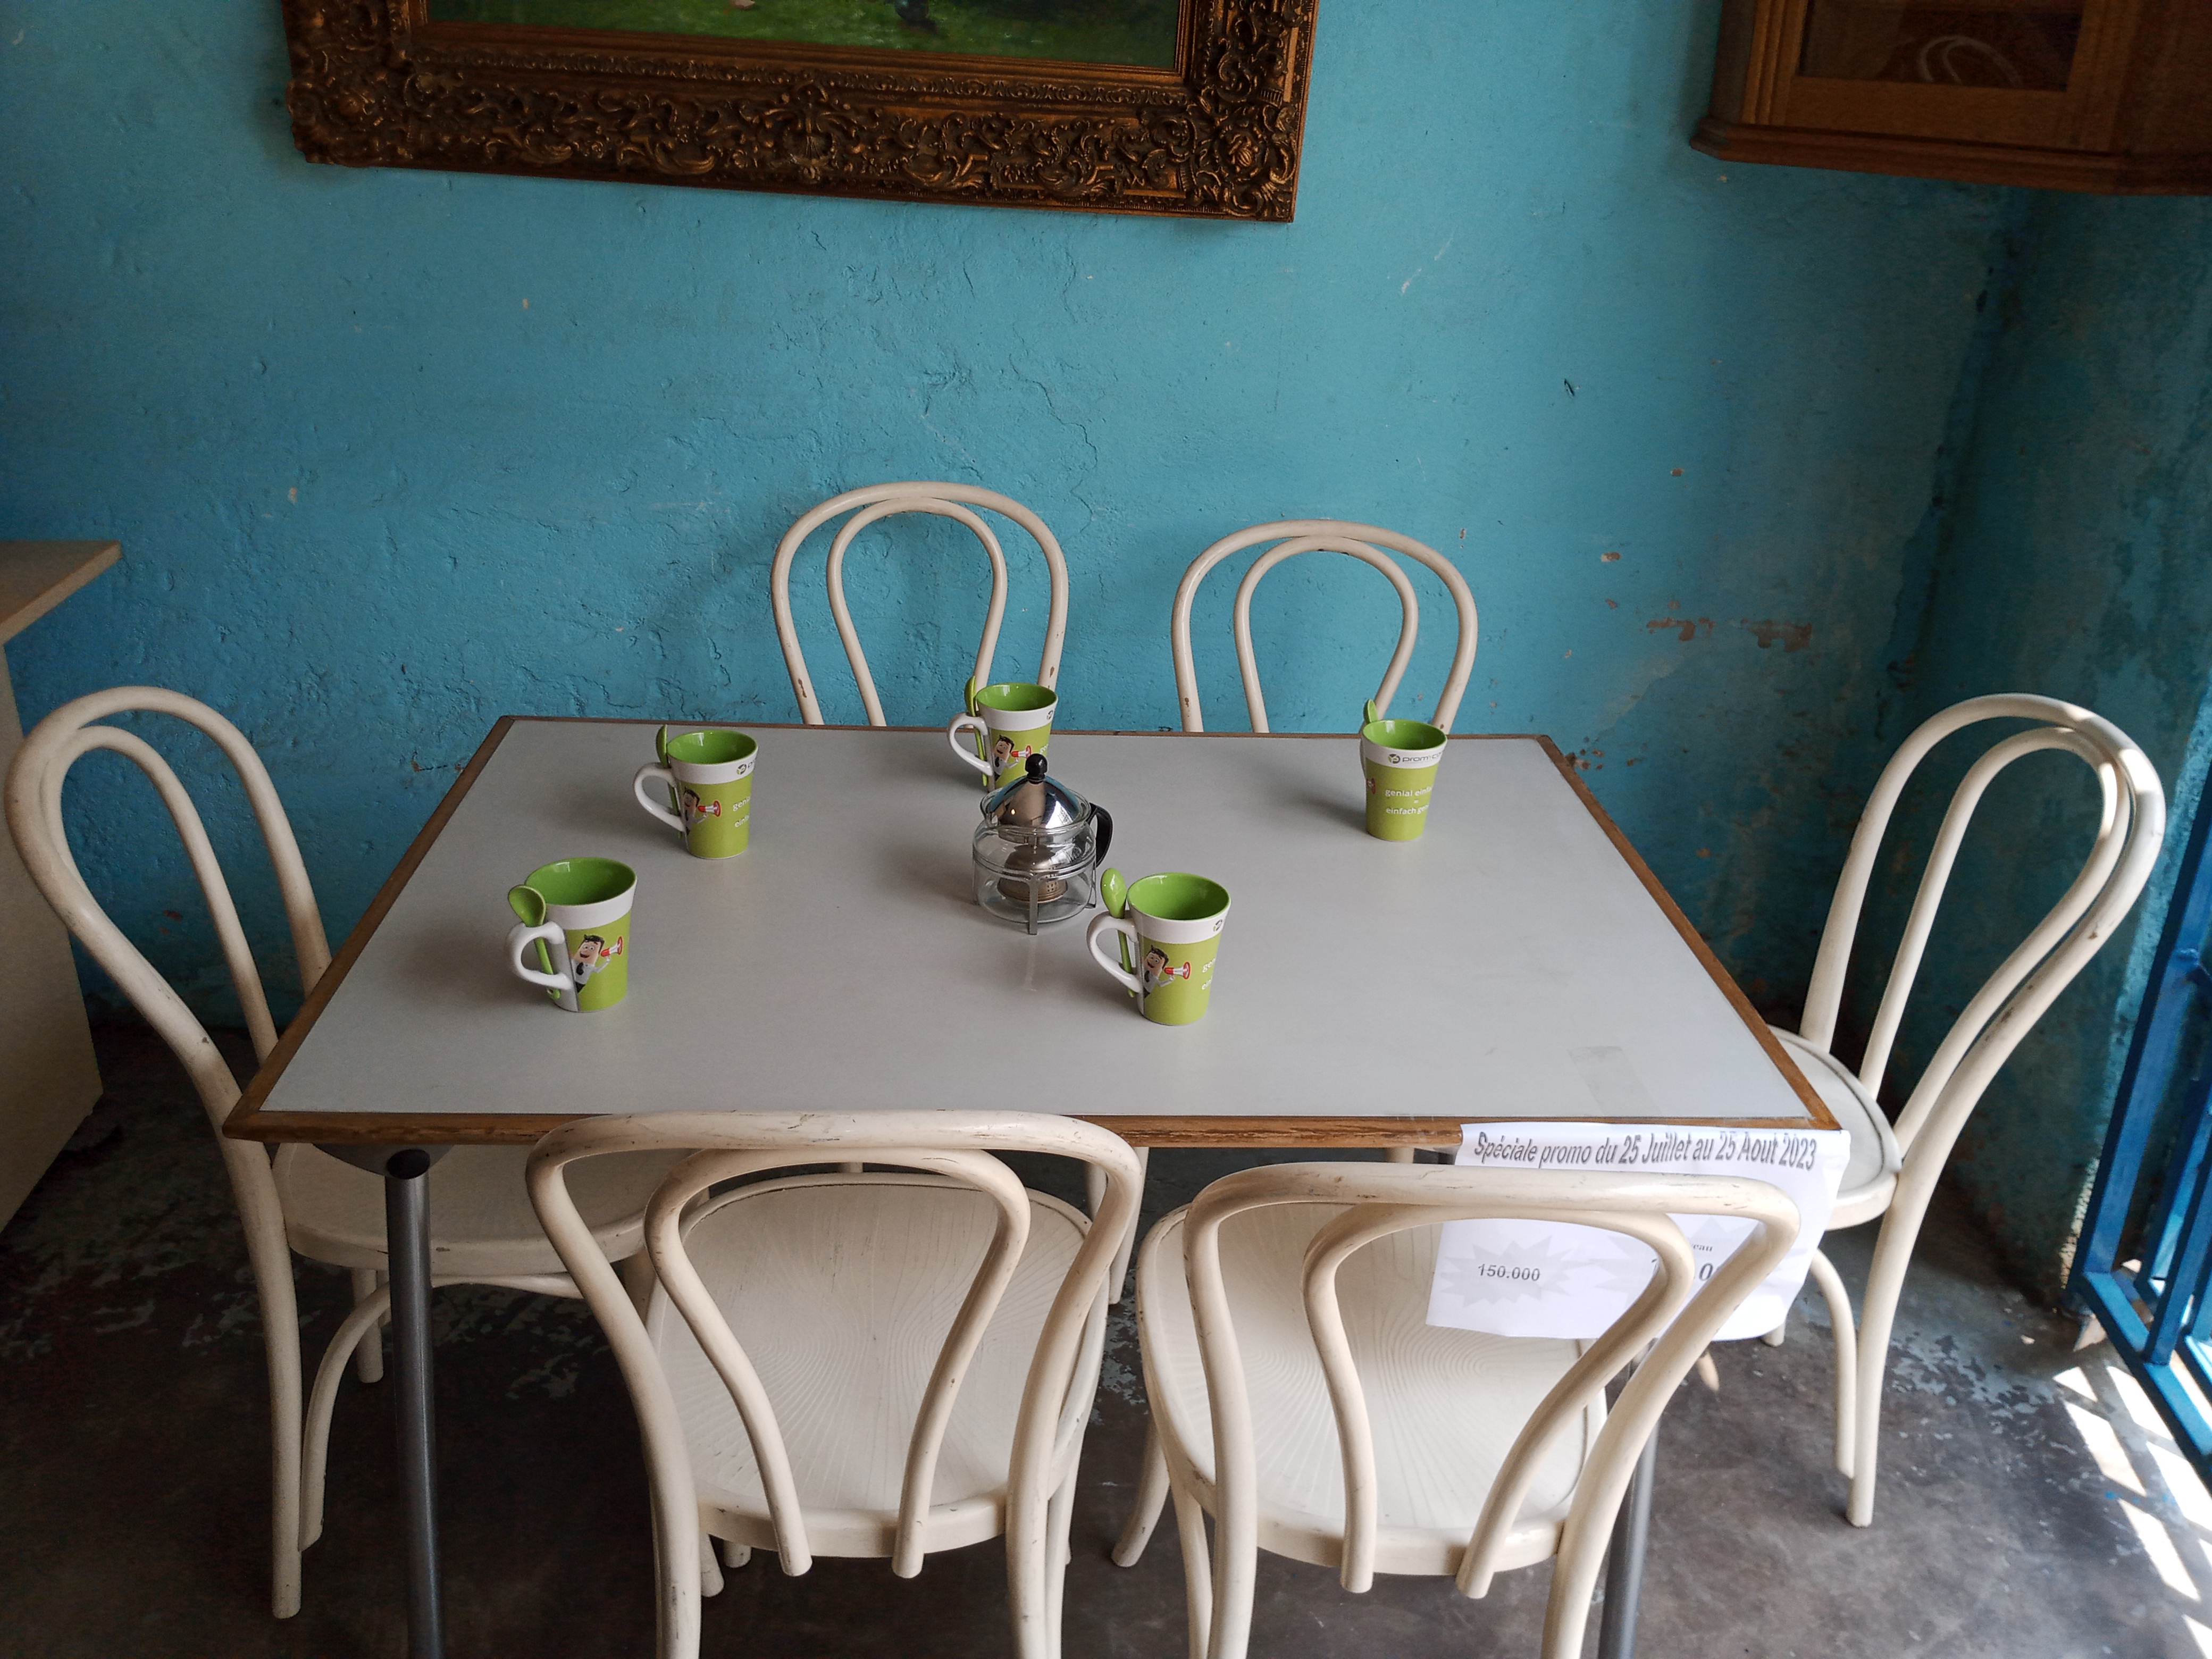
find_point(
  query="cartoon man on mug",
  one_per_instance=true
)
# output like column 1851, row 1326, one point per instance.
column 1156, row 972
column 592, row 954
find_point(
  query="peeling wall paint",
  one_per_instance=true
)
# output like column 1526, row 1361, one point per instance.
column 2075, row 560
column 392, row 453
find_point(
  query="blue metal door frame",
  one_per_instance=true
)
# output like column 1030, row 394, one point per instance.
column 2148, row 1286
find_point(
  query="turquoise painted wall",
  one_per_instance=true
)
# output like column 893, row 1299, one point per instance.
column 393, row 453
column 2075, row 560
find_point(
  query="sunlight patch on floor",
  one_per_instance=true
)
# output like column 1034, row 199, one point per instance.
column 2125, row 1436
column 2158, row 1544
column 2104, row 1444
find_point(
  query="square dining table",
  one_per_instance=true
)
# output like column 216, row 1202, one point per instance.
column 1517, row 961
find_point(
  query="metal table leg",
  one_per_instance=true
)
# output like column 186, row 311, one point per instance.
column 1624, row 1561
column 407, row 1240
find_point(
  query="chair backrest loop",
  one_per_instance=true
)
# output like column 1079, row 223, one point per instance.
column 664, row 1239
column 1295, row 536
column 1673, row 1316
column 877, row 502
column 1670, row 1287
column 2121, row 853
column 956, row 1147
column 34, row 816
column 1409, row 607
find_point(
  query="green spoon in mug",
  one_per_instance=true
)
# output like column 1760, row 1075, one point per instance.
column 1115, row 893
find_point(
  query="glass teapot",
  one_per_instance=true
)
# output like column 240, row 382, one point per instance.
column 1039, row 849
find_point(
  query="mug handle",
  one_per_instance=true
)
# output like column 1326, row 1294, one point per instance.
column 1094, row 937
column 521, row 937
column 970, row 723
column 668, row 781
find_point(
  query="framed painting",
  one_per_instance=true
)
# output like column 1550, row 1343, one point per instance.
column 1180, row 107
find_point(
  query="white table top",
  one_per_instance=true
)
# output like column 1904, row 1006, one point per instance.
column 1512, row 963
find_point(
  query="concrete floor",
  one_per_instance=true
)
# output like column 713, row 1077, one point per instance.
column 2026, row 1509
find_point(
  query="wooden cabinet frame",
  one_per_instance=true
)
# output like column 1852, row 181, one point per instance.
column 2136, row 115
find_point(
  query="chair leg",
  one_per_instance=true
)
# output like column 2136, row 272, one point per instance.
column 1197, row 1569
column 1893, row 1253
column 675, row 1619
column 357, row 1328
column 368, row 1357
column 1847, row 1367
column 735, row 1555
column 1773, row 1338
column 1059, row 1518
column 1398, row 1154
column 271, row 1254
column 1151, row 1498
column 710, row 1570
column 282, row 1340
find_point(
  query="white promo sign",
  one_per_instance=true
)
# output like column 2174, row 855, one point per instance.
column 1548, row 1279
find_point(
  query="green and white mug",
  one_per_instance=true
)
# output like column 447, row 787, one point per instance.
column 1400, row 760
column 1009, row 722
column 1173, row 925
column 708, row 780
column 579, row 908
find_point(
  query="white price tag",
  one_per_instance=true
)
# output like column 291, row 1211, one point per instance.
column 1547, row 1279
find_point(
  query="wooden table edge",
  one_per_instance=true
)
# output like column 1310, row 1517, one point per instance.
column 526, row 1128
column 248, row 1120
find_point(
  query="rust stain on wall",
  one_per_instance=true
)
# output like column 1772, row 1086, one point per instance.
column 1794, row 636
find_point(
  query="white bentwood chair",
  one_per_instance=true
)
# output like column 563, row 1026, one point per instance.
column 1300, row 1398
column 1292, row 536
column 878, row 1363
column 483, row 1230
column 945, row 500
column 1892, row 1172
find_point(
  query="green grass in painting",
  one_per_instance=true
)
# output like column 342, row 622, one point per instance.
column 1137, row 32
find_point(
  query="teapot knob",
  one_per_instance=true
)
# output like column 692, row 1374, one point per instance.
column 1035, row 767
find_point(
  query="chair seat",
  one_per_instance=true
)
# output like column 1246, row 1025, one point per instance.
column 840, row 1289
column 481, row 1222
column 1870, row 1175
column 1445, row 1404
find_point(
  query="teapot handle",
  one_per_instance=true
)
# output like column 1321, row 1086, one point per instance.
column 1105, row 832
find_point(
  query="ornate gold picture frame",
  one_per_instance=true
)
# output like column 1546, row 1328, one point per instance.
column 1214, row 135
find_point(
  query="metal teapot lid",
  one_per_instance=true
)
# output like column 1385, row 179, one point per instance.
column 1034, row 801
